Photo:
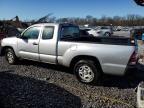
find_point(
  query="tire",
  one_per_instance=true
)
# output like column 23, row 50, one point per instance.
column 87, row 72
column 107, row 34
column 10, row 56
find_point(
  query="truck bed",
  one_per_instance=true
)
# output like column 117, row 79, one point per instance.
column 115, row 40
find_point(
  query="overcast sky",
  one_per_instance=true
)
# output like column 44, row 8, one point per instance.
column 34, row 9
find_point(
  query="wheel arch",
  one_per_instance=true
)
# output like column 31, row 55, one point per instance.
column 4, row 48
column 84, row 57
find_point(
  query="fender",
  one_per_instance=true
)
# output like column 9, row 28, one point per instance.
column 9, row 42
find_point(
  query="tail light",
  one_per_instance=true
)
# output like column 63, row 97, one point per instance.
column 133, row 58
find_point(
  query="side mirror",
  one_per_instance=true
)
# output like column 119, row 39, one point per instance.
column 18, row 35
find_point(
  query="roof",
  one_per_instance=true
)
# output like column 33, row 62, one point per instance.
column 51, row 24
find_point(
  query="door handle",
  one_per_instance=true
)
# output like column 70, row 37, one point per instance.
column 35, row 43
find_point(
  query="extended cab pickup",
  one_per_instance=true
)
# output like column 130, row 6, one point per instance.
column 62, row 44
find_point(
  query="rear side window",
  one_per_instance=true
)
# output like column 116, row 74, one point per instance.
column 48, row 33
column 69, row 32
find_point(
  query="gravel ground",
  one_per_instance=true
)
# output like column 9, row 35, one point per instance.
column 38, row 85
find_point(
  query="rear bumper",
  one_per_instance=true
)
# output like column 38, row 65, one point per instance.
column 131, row 70
column 0, row 50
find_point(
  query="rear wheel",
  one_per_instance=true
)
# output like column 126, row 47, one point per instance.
column 10, row 56
column 86, row 71
column 107, row 34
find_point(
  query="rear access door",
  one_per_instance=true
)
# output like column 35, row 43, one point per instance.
column 47, row 44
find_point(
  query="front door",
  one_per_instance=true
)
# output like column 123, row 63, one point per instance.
column 28, row 44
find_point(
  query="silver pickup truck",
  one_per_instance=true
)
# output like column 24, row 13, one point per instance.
column 88, row 57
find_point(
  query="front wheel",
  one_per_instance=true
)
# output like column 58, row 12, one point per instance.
column 10, row 56
column 86, row 71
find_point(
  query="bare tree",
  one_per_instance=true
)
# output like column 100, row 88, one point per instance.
column 47, row 18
